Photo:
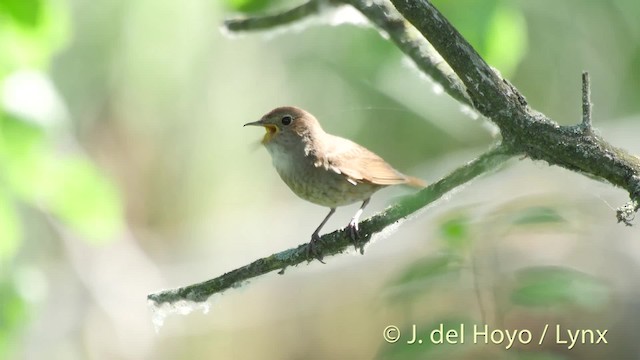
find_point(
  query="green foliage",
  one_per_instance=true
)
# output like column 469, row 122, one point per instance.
column 249, row 6
column 25, row 12
column 496, row 29
column 456, row 233
column 13, row 313
column 32, row 169
column 420, row 275
column 463, row 240
column 67, row 186
column 10, row 234
column 85, row 199
column 430, row 272
column 22, row 156
column 537, row 215
column 30, row 33
column 557, row 286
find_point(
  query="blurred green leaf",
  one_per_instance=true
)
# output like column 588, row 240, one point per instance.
column 471, row 17
column 551, row 286
column 249, row 6
column 506, row 42
column 85, row 199
column 22, row 149
column 68, row 186
column 428, row 268
column 495, row 28
column 537, row 215
column 25, row 12
column 368, row 53
column 31, row 46
column 456, row 233
column 420, row 275
column 13, row 314
column 10, row 235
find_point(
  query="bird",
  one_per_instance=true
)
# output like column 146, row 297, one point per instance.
column 325, row 169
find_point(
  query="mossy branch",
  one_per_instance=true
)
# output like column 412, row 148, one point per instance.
column 339, row 240
column 426, row 36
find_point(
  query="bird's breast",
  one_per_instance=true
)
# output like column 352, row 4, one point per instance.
column 316, row 183
column 283, row 159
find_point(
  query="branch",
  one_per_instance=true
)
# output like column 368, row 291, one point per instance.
column 524, row 130
column 270, row 21
column 388, row 20
column 339, row 240
column 530, row 132
column 409, row 40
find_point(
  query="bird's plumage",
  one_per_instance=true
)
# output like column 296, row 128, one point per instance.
column 333, row 153
column 358, row 164
column 322, row 168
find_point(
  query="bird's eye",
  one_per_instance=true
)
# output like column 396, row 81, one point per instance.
column 286, row 120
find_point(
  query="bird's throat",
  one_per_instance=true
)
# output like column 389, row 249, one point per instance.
column 271, row 131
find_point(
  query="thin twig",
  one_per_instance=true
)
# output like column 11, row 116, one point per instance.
column 476, row 287
column 382, row 14
column 263, row 22
column 586, row 101
column 409, row 40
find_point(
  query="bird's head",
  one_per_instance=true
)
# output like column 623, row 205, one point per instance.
column 287, row 123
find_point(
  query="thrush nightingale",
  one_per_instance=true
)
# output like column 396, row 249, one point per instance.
column 322, row 168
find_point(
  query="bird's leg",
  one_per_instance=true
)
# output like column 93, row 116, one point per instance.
column 315, row 238
column 353, row 224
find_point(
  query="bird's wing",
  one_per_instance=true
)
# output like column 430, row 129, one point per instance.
column 358, row 164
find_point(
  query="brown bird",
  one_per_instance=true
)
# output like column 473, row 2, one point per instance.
column 322, row 168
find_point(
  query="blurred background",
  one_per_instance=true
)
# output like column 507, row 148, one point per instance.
column 124, row 169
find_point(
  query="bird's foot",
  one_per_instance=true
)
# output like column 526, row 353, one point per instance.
column 354, row 234
column 312, row 248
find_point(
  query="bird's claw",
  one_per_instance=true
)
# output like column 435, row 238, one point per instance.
column 312, row 248
column 354, row 234
column 353, row 231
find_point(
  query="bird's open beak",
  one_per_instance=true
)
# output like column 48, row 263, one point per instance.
column 255, row 123
column 271, row 130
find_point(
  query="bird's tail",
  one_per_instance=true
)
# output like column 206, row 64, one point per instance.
column 416, row 182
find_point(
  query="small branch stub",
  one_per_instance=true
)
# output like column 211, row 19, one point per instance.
column 627, row 213
column 586, row 101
